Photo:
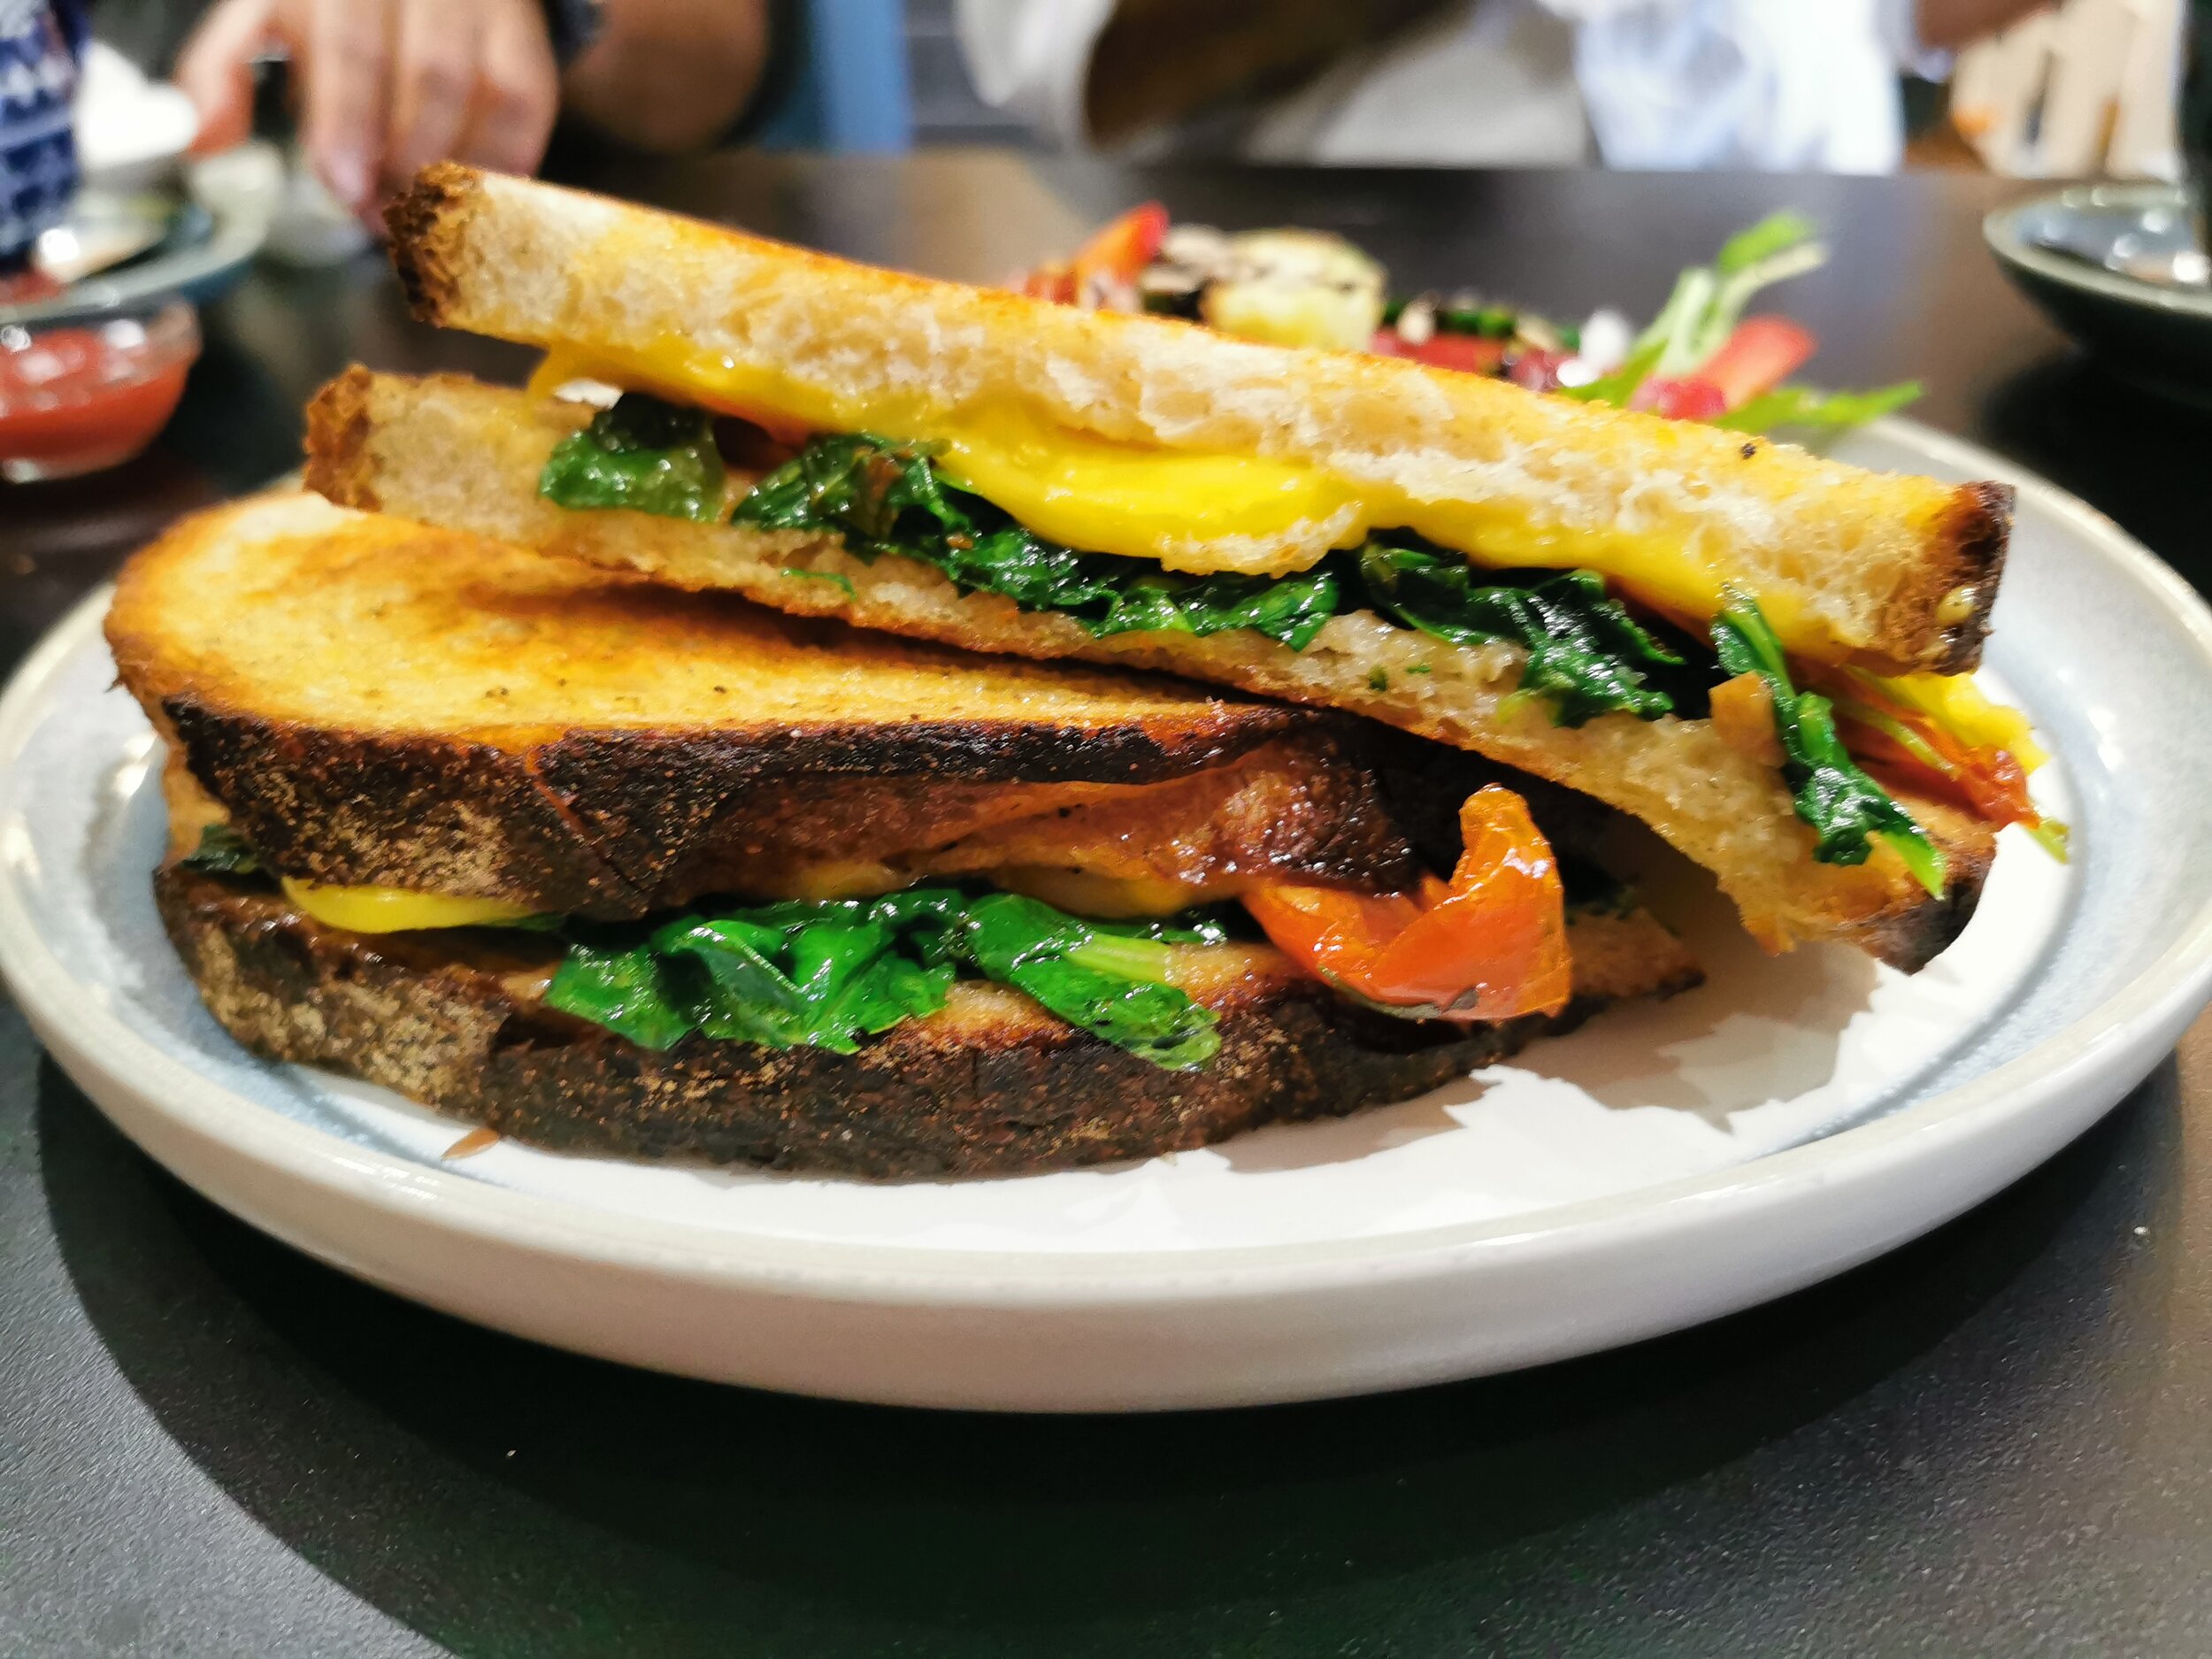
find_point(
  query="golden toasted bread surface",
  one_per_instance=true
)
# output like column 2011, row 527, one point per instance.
column 299, row 611
column 452, row 451
column 1897, row 572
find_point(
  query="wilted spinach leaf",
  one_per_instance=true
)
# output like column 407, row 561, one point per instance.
column 883, row 497
column 826, row 974
column 1113, row 986
column 1584, row 651
column 222, row 851
column 644, row 454
column 1844, row 805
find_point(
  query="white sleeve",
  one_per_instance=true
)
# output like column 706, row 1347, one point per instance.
column 1781, row 85
column 1900, row 22
column 1032, row 58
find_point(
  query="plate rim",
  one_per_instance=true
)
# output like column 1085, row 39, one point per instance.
column 2164, row 992
column 234, row 236
column 2000, row 231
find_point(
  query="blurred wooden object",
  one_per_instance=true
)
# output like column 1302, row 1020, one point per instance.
column 2086, row 88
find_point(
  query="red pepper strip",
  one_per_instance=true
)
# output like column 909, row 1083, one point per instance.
column 1538, row 370
column 1121, row 248
column 1053, row 280
column 1690, row 397
column 1989, row 780
column 1492, row 945
column 1471, row 353
column 1763, row 353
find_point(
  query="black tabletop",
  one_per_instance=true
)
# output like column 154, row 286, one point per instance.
column 1996, row 1440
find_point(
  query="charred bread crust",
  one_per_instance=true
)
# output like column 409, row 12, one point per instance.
column 414, row 811
column 1961, row 576
column 1908, row 940
column 614, row 824
column 425, row 223
column 1009, row 1090
column 340, row 419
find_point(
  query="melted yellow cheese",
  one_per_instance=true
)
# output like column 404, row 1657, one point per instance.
column 1087, row 492
column 397, row 909
column 1961, row 707
column 1084, row 893
column 555, row 370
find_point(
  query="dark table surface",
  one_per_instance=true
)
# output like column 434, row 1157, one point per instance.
column 1998, row 1440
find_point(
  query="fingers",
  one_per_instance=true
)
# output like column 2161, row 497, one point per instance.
column 433, row 82
column 215, row 71
column 345, row 97
column 518, row 92
column 387, row 86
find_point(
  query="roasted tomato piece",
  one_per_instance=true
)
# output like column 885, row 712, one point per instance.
column 1121, row 248
column 1490, row 945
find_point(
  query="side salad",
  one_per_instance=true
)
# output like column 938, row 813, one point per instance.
column 1703, row 357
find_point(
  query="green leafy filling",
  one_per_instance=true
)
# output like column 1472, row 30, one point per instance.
column 826, row 974
column 882, row 497
column 644, row 454
column 1845, row 807
column 223, row 852
column 1805, row 406
column 1584, row 651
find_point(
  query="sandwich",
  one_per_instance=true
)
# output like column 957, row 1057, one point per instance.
column 603, row 865
column 1764, row 655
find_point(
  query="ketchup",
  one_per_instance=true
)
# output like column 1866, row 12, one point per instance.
column 76, row 399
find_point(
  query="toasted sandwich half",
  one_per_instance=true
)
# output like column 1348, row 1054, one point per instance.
column 606, row 866
column 1633, row 607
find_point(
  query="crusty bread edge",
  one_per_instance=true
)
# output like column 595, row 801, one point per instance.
column 339, row 465
column 426, row 222
column 1967, row 555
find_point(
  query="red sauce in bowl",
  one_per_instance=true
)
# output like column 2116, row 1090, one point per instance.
column 77, row 398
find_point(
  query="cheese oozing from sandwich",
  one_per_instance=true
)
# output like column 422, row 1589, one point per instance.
column 397, row 909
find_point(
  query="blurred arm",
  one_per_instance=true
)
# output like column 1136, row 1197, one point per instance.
column 1946, row 26
column 384, row 86
column 1158, row 61
column 670, row 75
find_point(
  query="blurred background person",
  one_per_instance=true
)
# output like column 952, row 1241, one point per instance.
column 383, row 86
column 1769, row 84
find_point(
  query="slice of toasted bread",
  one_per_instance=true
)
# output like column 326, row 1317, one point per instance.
column 376, row 703
column 990, row 1085
column 450, row 451
column 1896, row 572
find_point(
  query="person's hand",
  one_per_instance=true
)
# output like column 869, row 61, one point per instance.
column 384, row 86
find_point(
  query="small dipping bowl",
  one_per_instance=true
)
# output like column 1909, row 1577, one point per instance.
column 2157, row 335
column 78, row 395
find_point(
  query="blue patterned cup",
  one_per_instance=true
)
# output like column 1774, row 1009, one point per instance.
column 40, row 42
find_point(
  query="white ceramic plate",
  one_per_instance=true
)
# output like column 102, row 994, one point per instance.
column 1669, row 1163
